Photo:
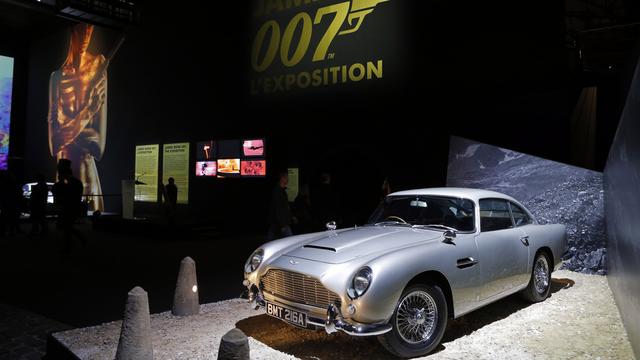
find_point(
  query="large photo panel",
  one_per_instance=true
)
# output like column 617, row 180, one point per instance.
column 6, row 90
column 555, row 193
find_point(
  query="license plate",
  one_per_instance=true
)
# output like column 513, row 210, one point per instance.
column 293, row 317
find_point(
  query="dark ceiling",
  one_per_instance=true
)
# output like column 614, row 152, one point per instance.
column 25, row 20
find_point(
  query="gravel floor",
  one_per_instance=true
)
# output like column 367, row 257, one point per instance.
column 579, row 321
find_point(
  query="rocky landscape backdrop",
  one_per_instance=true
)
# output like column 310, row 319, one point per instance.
column 553, row 192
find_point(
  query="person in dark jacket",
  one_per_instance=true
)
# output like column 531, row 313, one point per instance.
column 302, row 211
column 170, row 194
column 279, row 212
column 67, row 195
column 38, row 205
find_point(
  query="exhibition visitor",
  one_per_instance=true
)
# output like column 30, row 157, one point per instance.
column 67, row 196
column 279, row 212
column 170, row 194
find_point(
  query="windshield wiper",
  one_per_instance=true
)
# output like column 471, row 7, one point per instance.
column 391, row 223
column 437, row 226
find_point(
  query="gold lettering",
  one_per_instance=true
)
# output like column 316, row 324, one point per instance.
column 273, row 5
column 291, row 79
column 341, row 10
column 266, row 7
column 317, row 78
column 352, row 72
column 374, row 69
column 334, row 71
column 304, row 80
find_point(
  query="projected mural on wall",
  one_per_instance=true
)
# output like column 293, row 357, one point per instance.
column 78, row 110
column 6, row 88
column 554, row 193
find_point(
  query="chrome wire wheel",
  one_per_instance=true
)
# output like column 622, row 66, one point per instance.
column 541, row 275
column 417, row 317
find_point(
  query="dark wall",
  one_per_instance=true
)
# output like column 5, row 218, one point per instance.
column 622, row 209
column 496, row 73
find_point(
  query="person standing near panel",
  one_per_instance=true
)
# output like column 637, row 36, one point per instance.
column 279, row 212
column 78, row 111
column 170, row 194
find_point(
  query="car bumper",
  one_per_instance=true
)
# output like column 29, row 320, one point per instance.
column 332, row 322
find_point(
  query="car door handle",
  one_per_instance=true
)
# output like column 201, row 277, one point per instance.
column 466, row 263
column 525, row 240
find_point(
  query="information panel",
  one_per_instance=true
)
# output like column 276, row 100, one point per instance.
column 175, row 164
column 147, row 173
column 292, row 188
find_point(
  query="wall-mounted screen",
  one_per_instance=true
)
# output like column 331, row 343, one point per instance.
column 206, row 168
column 228, row 167
column 6, row 89
column 253, row 168
column 206, row 151
column 253, row 147
column 229, row 149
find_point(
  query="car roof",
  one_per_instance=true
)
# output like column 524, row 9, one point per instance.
column 466, row 193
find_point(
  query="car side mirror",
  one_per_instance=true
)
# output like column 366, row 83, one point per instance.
column 331, row 225
column 449, row 236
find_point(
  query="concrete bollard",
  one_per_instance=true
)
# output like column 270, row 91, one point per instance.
column 135, row 335
column 234, row 345
column 185, row 299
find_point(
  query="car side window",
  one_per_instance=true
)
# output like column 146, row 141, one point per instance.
column 494, row 215
column 520, row 216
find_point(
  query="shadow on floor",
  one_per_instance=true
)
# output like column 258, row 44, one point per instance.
column 307, row 344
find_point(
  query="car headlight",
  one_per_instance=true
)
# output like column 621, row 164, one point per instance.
column 254, row 261
column 360, row 283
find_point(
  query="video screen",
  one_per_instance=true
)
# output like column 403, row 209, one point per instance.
column 206, row 151
column 253, row 147
column 254, row 168
column 229, row 149
column 228, row 167
column 206, row 168
column 6, row 88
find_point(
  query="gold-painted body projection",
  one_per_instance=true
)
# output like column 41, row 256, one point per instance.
column 78, row 112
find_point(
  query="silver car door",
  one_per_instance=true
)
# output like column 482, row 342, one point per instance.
column 502, row 255
column 466, row 279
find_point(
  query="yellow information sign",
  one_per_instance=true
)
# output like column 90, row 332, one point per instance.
column 293, row 187
column 146, row 170
column 175, row 164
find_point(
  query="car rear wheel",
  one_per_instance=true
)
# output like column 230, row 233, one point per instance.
column 540, row 281
column 418, row 322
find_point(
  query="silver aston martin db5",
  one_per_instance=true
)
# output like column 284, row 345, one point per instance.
column 425, row 256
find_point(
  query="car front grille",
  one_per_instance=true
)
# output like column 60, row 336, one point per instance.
column 298, row 288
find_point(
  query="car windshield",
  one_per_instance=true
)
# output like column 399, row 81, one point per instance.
column 440, row 213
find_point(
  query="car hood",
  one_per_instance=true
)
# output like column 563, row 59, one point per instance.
column 338, row 247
